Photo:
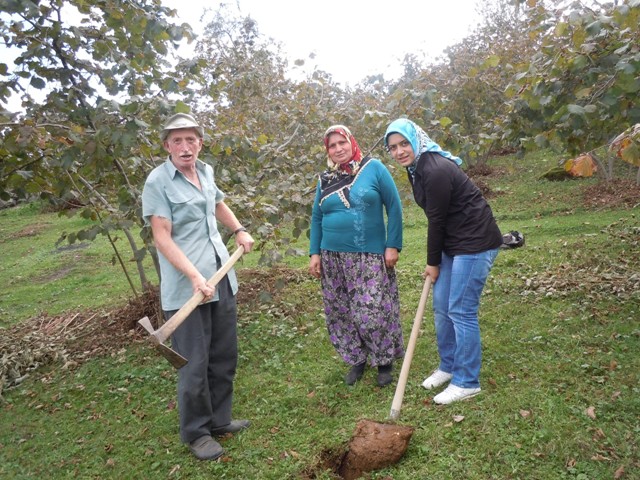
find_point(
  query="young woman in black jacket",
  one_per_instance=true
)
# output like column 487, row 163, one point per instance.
column 463, row 240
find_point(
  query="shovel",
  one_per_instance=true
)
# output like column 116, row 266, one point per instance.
column 159, row 336
column 375, row 445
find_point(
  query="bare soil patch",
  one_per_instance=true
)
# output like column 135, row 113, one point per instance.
column 479, row 173
column 29, row 231
column 613, row 194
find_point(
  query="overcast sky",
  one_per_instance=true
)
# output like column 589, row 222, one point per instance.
column 351, row 38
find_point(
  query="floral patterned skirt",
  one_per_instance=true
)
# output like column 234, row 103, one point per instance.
column 362, row 307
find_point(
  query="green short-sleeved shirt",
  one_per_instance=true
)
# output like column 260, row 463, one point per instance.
column 168, row 194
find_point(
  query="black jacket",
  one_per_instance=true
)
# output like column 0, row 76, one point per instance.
column 460, row 219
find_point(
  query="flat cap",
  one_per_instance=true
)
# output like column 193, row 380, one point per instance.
column 180, row 120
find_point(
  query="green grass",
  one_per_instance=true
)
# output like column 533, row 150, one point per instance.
column 561, row 336
column 41, row 275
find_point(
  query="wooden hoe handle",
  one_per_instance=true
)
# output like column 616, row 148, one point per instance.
column 408, row 356
column 167, row 329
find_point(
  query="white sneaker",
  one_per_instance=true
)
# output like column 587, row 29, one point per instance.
column 454, row 394
column 437, row 378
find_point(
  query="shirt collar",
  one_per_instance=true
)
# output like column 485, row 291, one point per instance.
column 173, row 170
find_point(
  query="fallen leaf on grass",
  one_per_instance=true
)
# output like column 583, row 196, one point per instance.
column 171, row 405
column 619, row 473
column 571, row 463
column 311, row 394
column 525, row 413
column 599, row 458
column 591, row 413
column 615, row 395
column 458, row 418
column 174, row 469
column 492, row 382
column 291, row 453
column 111, row 462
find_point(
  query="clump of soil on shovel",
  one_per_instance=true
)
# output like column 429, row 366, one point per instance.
column 372, row 446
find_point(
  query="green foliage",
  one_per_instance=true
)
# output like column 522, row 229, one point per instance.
column 266, row 130
column 581, row 88
column 460, row 98
column 627, row 146
column 100, row 78
column 95, row 80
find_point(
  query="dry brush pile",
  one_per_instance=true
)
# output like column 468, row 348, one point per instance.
column 68, row 339
column 72, row 338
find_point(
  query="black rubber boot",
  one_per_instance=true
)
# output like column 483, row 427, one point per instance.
column 384, row 375
column 355, row 373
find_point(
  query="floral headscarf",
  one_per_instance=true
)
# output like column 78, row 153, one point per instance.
column 420, row 141
column 352, row 165
column 337, row 179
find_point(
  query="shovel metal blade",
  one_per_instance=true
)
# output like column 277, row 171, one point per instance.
column 173, row 357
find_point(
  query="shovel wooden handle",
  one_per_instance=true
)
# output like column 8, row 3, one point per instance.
column 408, row 356
column 167, row 329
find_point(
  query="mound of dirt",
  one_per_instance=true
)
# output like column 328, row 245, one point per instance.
column 374, row 446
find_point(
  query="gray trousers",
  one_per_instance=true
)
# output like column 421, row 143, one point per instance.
column 208, row 340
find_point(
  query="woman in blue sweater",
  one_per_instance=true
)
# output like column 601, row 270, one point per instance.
column 354, row 254
column 463, row 239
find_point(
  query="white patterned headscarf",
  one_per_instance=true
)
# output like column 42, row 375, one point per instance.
column 420, row 141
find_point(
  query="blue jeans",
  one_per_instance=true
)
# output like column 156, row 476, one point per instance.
column 456, row 300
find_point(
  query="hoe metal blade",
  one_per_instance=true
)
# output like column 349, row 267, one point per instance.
column 174, row 358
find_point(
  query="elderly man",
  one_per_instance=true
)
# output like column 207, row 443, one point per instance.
column 182, row 204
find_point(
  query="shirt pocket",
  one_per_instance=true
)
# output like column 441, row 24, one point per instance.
column 185, row 207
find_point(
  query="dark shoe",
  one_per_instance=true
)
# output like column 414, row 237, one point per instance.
column 355, row 373
column 234, row 427
column 513, row 239
column 384, row 375
column 206, row 448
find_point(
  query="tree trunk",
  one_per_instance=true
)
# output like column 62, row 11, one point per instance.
column 601, row 168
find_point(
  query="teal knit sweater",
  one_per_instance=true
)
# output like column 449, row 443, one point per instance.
column 361, row 226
